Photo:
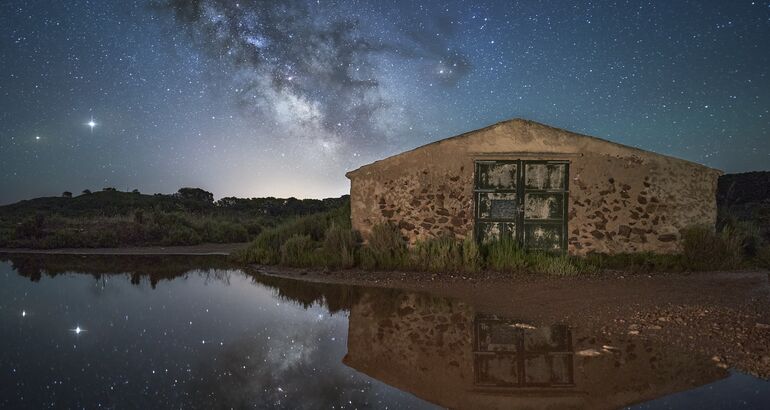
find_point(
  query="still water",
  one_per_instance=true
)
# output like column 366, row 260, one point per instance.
column 193, row 332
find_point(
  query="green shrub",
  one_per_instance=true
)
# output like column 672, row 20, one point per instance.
column 299, row 251
column 762, row 259
column 562, row 265
column 177, row 235
column 505, row 255
column 339, row 247
column 31, row 227
column 703, row 249
column 386, row 249
column 472, row 259
column 437, row 255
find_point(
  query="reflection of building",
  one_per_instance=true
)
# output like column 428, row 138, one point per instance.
column 442, row 351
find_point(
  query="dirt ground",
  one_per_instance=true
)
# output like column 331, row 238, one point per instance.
column 725, row 315
column 203, row 249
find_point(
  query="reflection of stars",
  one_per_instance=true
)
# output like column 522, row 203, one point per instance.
column 78, row 330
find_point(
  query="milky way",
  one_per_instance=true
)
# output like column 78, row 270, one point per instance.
column 257, row 98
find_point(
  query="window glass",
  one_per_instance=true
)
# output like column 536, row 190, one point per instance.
column 545, row 176
column 497, row 175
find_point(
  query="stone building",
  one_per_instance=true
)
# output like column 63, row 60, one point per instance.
column 545, row 187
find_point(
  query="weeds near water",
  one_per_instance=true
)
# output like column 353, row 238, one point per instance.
column 326, row 240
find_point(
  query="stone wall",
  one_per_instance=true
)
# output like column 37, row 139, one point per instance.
column 621, row 199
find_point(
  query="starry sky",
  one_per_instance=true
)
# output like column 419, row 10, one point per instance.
column 270, row 98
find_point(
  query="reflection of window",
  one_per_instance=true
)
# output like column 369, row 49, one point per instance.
column 511, row 355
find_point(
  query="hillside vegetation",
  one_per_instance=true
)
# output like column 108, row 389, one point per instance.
column 110, row 218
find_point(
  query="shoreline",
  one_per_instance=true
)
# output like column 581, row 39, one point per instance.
column 223, row 249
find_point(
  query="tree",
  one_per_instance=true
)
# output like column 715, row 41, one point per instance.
column 86, row 191
column 109, row 189
column 196, row 194
column 135, row 191
column 66, row 194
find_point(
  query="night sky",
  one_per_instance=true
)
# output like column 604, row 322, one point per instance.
column 268, row 98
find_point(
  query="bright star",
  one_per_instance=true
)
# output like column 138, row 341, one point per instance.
column 23, row 313
column 37, row 138
column 91, row 124
column 78, row 330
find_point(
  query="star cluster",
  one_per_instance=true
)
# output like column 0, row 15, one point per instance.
column 260, row 97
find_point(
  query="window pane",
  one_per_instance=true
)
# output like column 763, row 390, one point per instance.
column 497, row 206
column 543, row 236
column 545, row 176
column 497, row 175
column 490, row 231
column 543, row 206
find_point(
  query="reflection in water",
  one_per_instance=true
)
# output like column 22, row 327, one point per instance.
column 507, row 354
column 444, row 352
column 154, row 268
column 220, row 338
column 200, row 339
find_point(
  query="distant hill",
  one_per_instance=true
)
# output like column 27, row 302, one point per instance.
column 740, row 189
column 112, row 203
column 746, row 197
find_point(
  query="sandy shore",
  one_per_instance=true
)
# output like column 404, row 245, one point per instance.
column 203, row 249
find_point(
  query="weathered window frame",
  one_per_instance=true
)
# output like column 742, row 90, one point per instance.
column 520, row 222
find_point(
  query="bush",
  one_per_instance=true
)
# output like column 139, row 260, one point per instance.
column 550, row 264
column 703, row 249
column 299, row 251
column 181, row 235
column 437, row 255
column 386, row 249
column 30, row 228
column 505, row 255
column 472, row 259
column 762, row 258
column 339, row 247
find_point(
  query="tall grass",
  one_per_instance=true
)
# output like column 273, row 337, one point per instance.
column 705, row 249
column 505, row 255
column 326, row 240
column 339, row 247
column 386, row 249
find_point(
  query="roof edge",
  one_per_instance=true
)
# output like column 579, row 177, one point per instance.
column 349, row 174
